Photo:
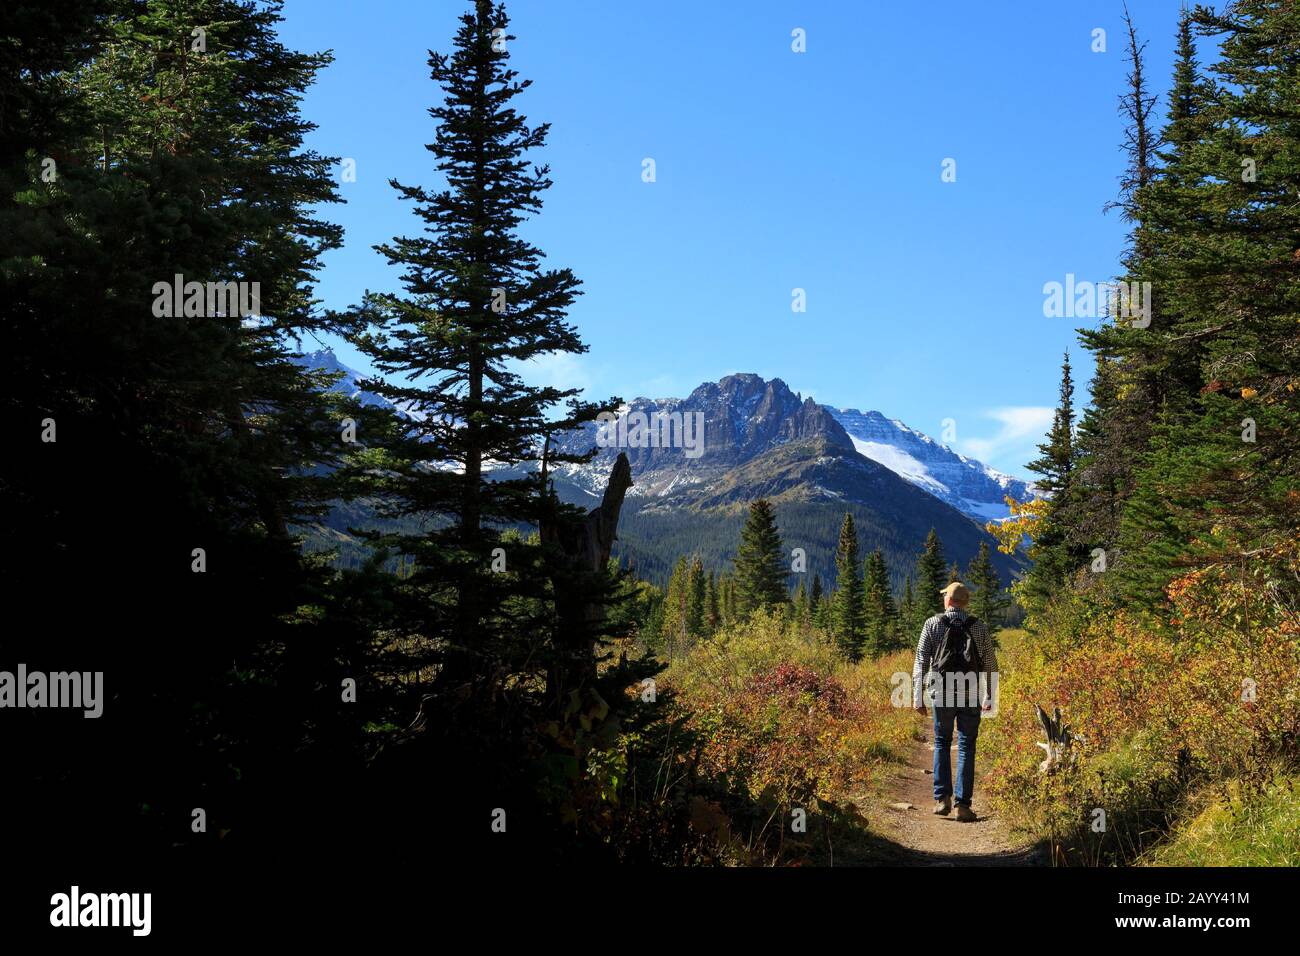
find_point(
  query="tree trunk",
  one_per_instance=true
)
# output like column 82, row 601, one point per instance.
column 585, row 546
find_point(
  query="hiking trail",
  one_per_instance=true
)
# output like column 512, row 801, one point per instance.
column 918, row 837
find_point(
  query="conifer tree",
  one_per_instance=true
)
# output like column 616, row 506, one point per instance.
column 476, row 300
column 817, row 603
column 727, row 598
column 931, row 576
column 1146, row 378
column 1054, row 552
column 801, row 610
column 881, row 615
column 1203, row 491
column 697, row 600
column 848, row 609
column 712, row 614
column 675, row 629
column 908, row 612
column 1055, row 464
column 988, row 603
column 1101, row 481
column 760, row 571
column 188, row 447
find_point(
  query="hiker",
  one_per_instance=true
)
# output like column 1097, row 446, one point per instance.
column 955, row 648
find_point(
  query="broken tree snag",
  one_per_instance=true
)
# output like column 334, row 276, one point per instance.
column 584, row 545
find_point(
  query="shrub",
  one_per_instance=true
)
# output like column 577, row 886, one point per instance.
column 1158, row 707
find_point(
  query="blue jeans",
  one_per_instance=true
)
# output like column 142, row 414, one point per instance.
column 968, row 728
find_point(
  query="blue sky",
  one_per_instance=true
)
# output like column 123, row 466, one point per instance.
column 779, row 170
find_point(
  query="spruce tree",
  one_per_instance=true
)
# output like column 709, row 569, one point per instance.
column 1146, row 378
column 908, row 612
column 760, row 570
column 476, row 301
column 189, row 448
column 817, row 603
column 697, row 600
column 675, row 627
column 801, row 609
column 1055, row 464
column 881, row 615
column 712, row 614
column 1204, row 492
column 848, row 610
column 988, row 603
column 931, row 576
column 727, row 598
column 1054, row 551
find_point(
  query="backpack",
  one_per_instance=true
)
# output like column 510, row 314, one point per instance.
column 956, row 651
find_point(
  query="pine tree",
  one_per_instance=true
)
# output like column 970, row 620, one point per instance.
column 1055, row 555
column 801, row 608
column 817, row 603
column 1055, row 465
column 1146, row 378
column 476, row 300
column 848, row 610
column 128, row 156
column 881, row 615
column 727, row 598
column 988, row 603
column 1203, row 492
column 697, row 600
column 908, row 612
column 759, row 567
column 675, row 629
column 712, row 614
column 931, row 576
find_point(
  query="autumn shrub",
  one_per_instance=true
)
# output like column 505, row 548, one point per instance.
column 1158, row 708
column 782, row 724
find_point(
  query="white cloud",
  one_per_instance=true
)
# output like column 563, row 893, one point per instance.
column 557, row 369
column 1020, row 429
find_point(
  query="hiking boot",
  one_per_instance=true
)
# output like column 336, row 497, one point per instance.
column 943, row 807
column 965, row 814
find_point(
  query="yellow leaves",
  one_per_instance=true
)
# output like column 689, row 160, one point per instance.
column 1249, row 392
column 1023, row 521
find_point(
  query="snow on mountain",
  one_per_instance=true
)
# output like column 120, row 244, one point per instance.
column 968, row 485
column 324, row 360
column 744, row 416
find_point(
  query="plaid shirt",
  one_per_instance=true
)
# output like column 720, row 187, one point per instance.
column 929, row 642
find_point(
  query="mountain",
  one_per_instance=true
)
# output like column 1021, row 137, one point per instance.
column 966, row 484
column 744, row 415
column 324, row 360
column 761, row 440
column 698, row 462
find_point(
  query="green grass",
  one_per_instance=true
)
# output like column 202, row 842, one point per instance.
column 1263, row 830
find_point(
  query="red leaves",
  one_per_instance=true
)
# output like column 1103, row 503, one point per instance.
column 789, row 682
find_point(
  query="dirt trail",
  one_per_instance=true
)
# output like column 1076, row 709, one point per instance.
column 917, row 837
